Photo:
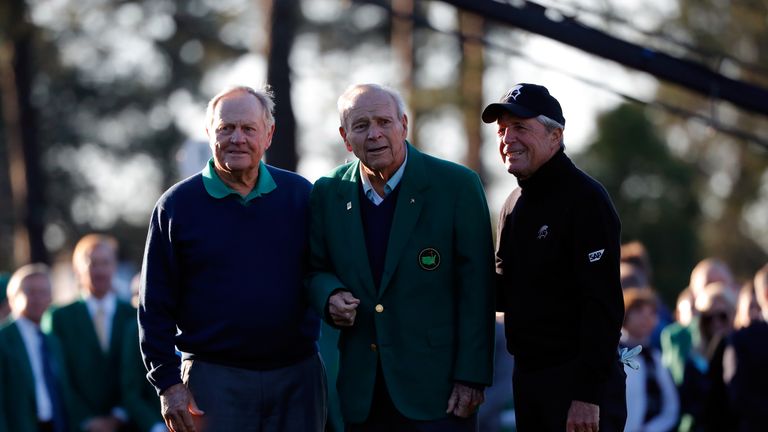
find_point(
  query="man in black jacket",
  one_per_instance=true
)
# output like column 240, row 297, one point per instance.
column 558, row 271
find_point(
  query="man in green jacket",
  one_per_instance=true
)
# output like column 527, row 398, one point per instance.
column 33, row 393
column 91, row 331
column 402, row 262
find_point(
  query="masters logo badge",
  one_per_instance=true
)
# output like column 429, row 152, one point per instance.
column 429, row 259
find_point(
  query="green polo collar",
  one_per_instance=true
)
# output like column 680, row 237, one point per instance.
column 218, row 189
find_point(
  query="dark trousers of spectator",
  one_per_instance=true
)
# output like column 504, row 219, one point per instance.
column 292, row 398
column 543, row 397
column 384, row 417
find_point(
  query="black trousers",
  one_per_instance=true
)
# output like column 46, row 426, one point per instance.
column 384, row 417
column 543, row 397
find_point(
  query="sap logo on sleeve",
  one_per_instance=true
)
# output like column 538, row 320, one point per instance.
column 596, row 255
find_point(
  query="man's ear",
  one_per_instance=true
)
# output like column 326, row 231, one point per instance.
column 343, row 134
column 270, row 135
column 557, row 136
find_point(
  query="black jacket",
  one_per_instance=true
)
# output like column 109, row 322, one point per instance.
column 558, row 272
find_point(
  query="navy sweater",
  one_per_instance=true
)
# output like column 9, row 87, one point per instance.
column 229, row 277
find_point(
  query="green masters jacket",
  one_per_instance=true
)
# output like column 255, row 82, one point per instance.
column 431, row 321
column 138, row 396
column 18, row 403
column 93, row 374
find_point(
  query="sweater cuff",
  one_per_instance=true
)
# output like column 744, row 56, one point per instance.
column 588, row 388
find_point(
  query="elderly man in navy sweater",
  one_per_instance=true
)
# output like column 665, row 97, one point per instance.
column 222, row 283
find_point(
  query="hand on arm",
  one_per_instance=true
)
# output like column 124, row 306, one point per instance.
column 464, row 400
column 583, row 417
column 342, row 307
column 178, row 406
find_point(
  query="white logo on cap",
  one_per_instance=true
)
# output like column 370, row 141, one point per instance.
column 514, row 92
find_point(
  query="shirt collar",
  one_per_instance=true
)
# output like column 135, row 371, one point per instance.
column 26, row 326
column 107, row 302
column 391, row 184
column 216, row 187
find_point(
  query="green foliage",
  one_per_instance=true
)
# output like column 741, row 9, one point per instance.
column 651, row 191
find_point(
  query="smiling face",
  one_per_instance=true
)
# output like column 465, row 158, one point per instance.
column 238, row 134
column 374, row 132
column 526, row 144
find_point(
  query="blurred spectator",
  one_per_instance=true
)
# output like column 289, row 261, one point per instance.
column 91, row 330
column 747, row 307
column 636, row 254
column 702, row 392
column 635, row 272
column 632, row 276
column 684, row 307
column 5, row 308
column 33, row 393
column 679, row 338
column 707, row 271
column 744, row 366
column 652, row 401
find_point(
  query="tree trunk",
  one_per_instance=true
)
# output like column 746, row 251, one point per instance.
column 26, row 177
column 471, row 94
column 282, row 31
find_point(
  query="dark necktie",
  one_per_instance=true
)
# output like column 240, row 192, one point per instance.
column 59, row 422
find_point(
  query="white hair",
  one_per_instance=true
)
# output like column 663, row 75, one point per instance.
column 265, row 96
column 345, row 100
column 551, row 125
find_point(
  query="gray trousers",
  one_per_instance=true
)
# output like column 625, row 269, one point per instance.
column 292, row 398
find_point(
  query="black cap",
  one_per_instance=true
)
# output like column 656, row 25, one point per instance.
column 525, row 101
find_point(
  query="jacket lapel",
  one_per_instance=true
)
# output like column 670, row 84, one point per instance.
column 88, row 327
column 409, row 205
column 22, row 356
column 349, row 220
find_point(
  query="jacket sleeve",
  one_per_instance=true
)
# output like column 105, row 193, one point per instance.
column 596, row 254
column 321, row 281
column 158, row 303
column 474, row 284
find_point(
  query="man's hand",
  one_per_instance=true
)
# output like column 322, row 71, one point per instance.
column 583, row 417
column 464, row 400
column 178, row 406
column 343, row 308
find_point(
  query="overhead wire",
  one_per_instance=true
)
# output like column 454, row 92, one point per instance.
column 708, row 54
column 733, row 131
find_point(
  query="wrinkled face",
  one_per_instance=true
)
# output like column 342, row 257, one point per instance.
column 640, row 321
column 96, row 269
column 525, row 144
column 33, row 297
column 374, row 133
column 238, row 134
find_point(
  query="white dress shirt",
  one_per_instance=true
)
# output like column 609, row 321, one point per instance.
column 371, row 193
